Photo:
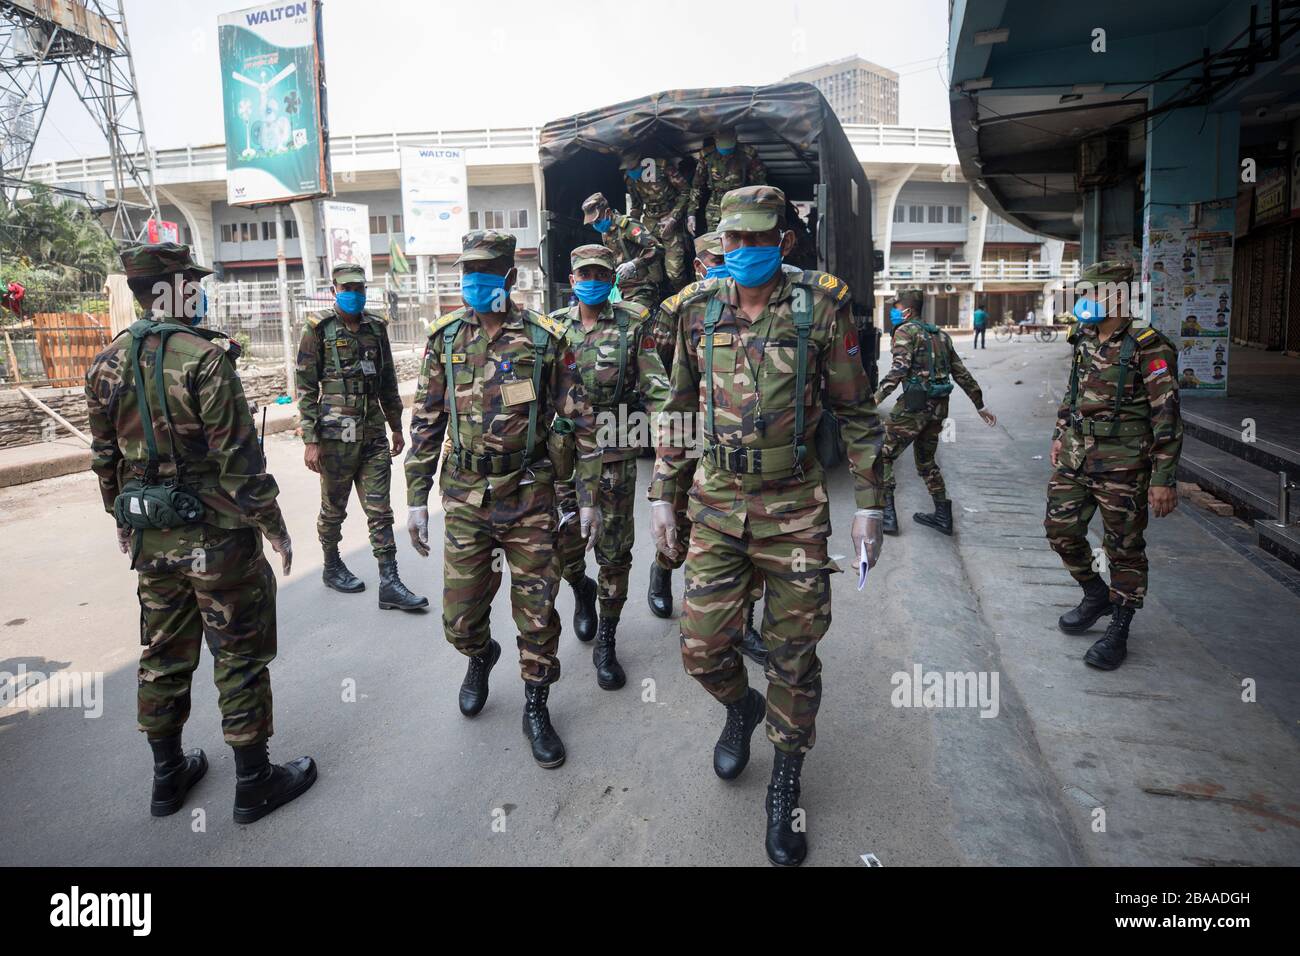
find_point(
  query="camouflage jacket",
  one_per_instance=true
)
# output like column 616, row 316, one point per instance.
column 662, row 196
column 486, row 424
column 631, row 241
column 1148, row 408
column 754, row 375
column 215, row 437
column 597, row 352
column 716, row 175
column 346, row 380
column 915, row 348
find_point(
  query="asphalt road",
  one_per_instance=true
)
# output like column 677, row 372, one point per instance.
column 1182, row 769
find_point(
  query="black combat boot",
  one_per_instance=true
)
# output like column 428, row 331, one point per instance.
column 751, row 642
column 262, row 786
column 609, row 672
column 889, row 523
column 336, row 575
column 1109, row 652
column 174, row 773
column 548, row 749
column 1095, row 604
column 393, row 594
column 941, row 520
column 731, row 752
column 787, row 843
column 660, row 595
column 584, row 609
column 474, row 688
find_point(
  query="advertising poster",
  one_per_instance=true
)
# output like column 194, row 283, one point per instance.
column 1188, row 263
column 347, row 234
column 160, row 230
column 1272, row 197
column 271, row 77
column 435, row 199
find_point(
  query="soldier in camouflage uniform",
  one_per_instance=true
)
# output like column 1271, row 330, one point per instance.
column 202, row 574
column 609, row 337
column 347, row 391
column 659, row 192
column 503, row 381
column 709, row 265
column 926, row 364
column 758, row 497
column 640, row 256
column 724, row 166
column 1118, row 436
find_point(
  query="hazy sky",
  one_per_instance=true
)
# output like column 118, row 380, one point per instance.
column 412, row 65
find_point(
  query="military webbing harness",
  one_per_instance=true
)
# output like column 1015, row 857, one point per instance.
column 494, row 464
column 344, row 384
column 618, row 397
column 1112, row 428
column 146, row 503
column 939, row 384
column 761, row 461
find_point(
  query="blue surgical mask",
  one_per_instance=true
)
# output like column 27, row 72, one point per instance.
column 726, row 150
column 634, row 173
column 717, row 272
column 602, row 225
column 353, row 303
column 1089, row 311
column 483, row 291
column 753, row 265
column 895, row 316
column 592, row 291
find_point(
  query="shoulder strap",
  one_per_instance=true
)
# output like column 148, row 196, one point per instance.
column 711, row 316
column 621, row 315
column 803, row 328
column 141, row 330
column 450, row 325
column 1125, row 356
column 541, row 338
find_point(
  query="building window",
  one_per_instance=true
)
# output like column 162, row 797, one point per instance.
column 936, row 214
column 228, row 233
column 291, row 229
column 248, row 232
column 397, row 223
column 900, row 212
column 378, row 225
column 187, row 236
column 954, row 213
column 916, row 214
column 268, row 232
column 473, row 218
column 491, row 219
column 519, row 219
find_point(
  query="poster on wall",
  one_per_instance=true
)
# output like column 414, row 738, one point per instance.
column 435, row 199
column 347, row 234
column 160, row 230
column 1187, row 262
column 1272, row 198
column 272, row 78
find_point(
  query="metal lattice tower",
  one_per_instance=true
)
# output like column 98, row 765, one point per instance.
column 85, row 43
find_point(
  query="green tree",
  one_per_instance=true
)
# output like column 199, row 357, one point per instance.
column 57, row 243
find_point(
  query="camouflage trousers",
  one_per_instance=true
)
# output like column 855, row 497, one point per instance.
column 921, row 430
column 202, row 582
column 366, row 465
column 720, row 574
column 1072, row 500
column 616, row 499
column 518, row 532
column 675, row 251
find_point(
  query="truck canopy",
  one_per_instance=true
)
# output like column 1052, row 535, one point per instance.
column 797, row 136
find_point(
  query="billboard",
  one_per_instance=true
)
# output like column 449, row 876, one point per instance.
column 435, row 199
column 347, row 234
column 272, row 77
column 160, row 230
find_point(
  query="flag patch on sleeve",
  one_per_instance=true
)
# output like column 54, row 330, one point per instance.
column 1157, row 368
column 648, row 343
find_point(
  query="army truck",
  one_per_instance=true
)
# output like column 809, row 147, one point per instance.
column 797, row 136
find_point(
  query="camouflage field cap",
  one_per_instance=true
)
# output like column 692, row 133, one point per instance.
column 486, row 244
column 725, row 137
column 913, row 299
column 1111, row 270
column 159, row 259
column 346, row 272
column 752, row 209
column 629, row 159
column 592, row 254
column 593, row 207
column 710, row 242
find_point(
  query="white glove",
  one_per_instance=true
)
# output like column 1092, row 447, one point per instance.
column 690, row 224
column 663, row 528
column 284, row 548
column 589, row 524
column 417, row 523
column 867, row 527
column 626, row 271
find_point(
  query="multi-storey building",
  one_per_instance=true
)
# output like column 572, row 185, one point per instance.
column 858, row 90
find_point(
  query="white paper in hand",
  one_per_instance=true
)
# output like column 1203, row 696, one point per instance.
column 862, row 567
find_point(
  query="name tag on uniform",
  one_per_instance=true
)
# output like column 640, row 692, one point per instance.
column 457, row 358
column 722, row 338
column 367, row 367
column 517, row 393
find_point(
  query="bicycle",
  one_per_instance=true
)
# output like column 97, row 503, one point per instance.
column 1046, row 334
column 1004, row 332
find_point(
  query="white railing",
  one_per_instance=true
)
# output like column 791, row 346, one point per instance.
column 387, row 144
column 954, row 271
